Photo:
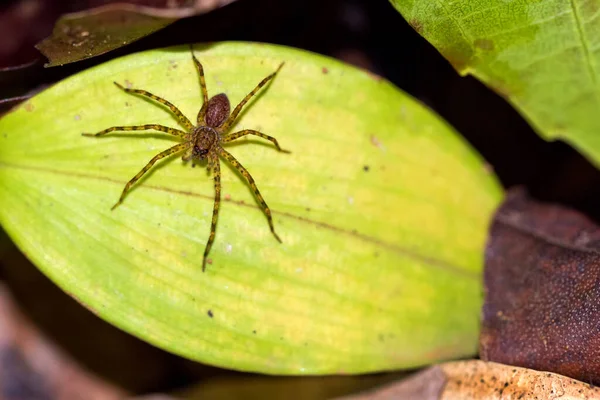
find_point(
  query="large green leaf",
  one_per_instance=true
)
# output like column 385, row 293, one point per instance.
column 382, row 209
column 543, row 56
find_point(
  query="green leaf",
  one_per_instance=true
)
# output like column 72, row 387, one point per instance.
column 383, row 211
column 542, row 56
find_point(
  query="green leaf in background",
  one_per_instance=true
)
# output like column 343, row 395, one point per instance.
column 542, row 56
column 382, row 208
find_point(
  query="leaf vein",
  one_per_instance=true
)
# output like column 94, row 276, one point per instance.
column 584, row 42
column 413, row 254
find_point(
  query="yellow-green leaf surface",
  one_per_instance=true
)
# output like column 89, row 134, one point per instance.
column 382, row 209
column 543, row 56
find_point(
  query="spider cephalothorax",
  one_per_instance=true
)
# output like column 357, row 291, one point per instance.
column 203, row 141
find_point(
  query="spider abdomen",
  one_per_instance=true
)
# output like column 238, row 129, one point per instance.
column 217, row 110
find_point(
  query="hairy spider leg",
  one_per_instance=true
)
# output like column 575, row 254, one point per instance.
column 236, row 135
column 161, row 128
column 171, row 150
column 202, row 111
column 182, row 118
column 235, row 163
column 227, row 124
column 213, row 224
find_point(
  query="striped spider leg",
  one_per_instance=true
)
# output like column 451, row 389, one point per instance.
column 203, row 141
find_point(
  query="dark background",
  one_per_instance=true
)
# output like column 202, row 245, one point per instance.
column 367, row 33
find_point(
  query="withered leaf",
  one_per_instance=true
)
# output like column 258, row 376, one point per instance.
column 481, row 380
column 95, row 31
column 542, row 284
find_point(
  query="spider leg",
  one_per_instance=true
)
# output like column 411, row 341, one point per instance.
column 161, row 128
column 182, row 118
column 215, row 216
column 168, row 152
column 236, row 135
column 227, row 124
column 232, row 160
column 202, row 111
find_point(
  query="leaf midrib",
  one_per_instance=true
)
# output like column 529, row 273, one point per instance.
column 584, row 43
column 439, row 264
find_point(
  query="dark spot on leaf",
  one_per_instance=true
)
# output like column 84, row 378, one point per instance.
column 542, row 282
column 325, row 70
column 366, row 168
column 254, row 332
column 210, row 313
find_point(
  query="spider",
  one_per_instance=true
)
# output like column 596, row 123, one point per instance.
column 203, row 142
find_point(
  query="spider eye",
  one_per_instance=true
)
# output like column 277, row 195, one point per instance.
column 199, row 153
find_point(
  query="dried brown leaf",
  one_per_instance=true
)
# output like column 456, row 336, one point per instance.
column 482, row 380
column 92, row 32
column 542, row 282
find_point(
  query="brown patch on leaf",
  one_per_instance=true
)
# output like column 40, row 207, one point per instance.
column 416, row 25
column 484, row 44
column 542, row 283
column 92, row 32
column 460, row 58
column 589, row 7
